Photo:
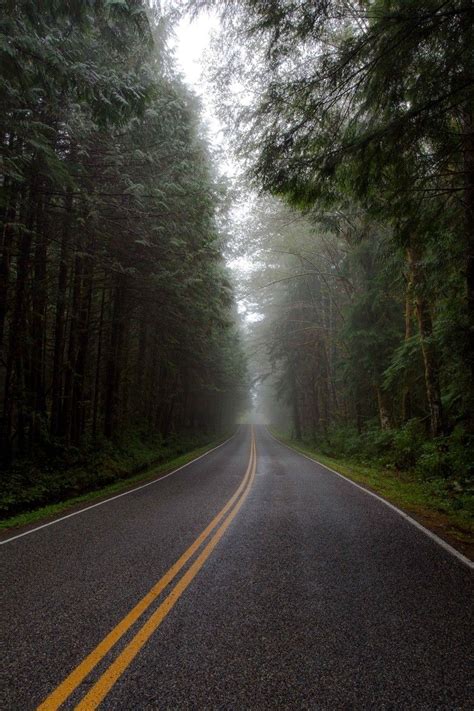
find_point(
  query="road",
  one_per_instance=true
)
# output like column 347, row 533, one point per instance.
column 297, row 590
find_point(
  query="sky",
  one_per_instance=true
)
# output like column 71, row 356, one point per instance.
column 192, row 41
column 193, row 38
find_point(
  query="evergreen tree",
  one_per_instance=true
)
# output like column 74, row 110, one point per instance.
column 116, row 310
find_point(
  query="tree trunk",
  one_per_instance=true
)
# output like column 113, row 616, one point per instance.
column 315, row 407
column 296, row 413
column 38, row 390
column 78, row 413
column 141, row 356
column 406, row 393
column 324, row 388
column 14, row 393
column 433, row 392
column 113, row 372
column 98, row 367
column 5, row 261
column 60, row 320
column 66, row 425
column 468, row 159
column 384, row 412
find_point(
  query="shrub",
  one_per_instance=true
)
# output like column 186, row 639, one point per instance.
column 406, row 448
column 449, row 457
column 407, row 444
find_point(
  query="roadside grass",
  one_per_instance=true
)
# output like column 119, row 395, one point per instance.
column 431, row 502
column 149, row 470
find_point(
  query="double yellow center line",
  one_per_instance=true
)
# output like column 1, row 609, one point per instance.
column 117, row 667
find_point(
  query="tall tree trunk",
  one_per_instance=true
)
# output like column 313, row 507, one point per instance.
column 315, row 406
column 406, row 392
column 8, row 233
column 38, row 393
column 295, row 407
column 324, row 387
column 78, row 414
column 98, row 366
column 468, row 156
column 60, row 320
column 384, row 412
column 68, row 400
column 467, row 147
column 423, row 314
column 125, row 384
column 113, row 372
column 14, row 392
column 141, row 356
column 168, row 423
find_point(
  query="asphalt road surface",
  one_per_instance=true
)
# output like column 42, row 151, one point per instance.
column 296, row 590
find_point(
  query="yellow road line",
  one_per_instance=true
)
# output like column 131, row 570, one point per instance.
column 101, row 688
column 72, row 681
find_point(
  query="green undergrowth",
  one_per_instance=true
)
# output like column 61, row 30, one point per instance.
column 440, row 503
column 34, row 490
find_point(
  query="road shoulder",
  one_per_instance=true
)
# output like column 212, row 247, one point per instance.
column 401, row 491
column 30, row 520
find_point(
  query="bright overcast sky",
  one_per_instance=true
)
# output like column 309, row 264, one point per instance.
column 193, row 39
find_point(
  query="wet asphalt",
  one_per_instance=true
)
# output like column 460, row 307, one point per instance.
column 317, row 597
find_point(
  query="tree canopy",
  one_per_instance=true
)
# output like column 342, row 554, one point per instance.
column 116, row 308
column 359, row 116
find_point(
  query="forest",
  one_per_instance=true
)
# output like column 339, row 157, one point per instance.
column 117, row 317
column 350, row 325
column 237, row 355
column 354, row 121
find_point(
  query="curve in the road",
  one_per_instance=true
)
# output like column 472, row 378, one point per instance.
column 113, row 498
column 103, row 685
column 316, row 597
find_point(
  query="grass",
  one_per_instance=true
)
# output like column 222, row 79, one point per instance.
column 48, row 511
column 430, row 502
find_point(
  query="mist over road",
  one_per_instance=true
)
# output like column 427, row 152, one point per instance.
column 252, row 578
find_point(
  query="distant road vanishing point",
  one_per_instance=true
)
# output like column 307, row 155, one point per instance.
column 252, row 578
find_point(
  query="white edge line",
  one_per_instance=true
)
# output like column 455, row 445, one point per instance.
column 464, row 559
column 117, row 496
